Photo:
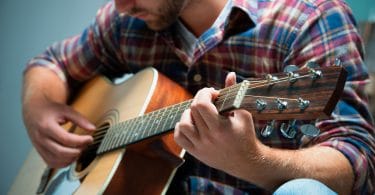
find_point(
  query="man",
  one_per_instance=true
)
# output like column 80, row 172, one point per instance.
column 197, row 43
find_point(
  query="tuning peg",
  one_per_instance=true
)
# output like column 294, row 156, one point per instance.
column 271, row 78
column 290, row 69
column 281, row 105
column 268, row 129
column 293, row 77
column 260, row 104
column 316, row 74
column 289, row 130
column 310, row 130
column 303, row 104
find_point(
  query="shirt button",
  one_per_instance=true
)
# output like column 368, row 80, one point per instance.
column 197, row 77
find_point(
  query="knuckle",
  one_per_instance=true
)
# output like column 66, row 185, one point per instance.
column 64, row 138
column 58, row 152
column 178, row 136
column 198, row 106
column 43, row 124
column 177, row 133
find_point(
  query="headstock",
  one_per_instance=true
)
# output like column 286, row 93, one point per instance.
column 305, row 94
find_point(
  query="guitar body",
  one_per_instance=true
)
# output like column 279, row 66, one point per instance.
column 145, row 167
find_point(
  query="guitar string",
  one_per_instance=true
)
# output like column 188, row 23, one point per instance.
column 98, row 138
column 231, row 90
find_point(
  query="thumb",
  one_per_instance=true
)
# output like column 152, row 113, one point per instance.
column 230, row 79
column 79, row 120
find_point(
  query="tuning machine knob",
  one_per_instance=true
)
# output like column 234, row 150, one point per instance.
column 316, row 74
column 290, row 70
column 281, row 105
column 303, row 104
column 310, row 130
column 289, row 130
column 271, row 79
column 268, row 129
column 260, row 105
column 312, row 66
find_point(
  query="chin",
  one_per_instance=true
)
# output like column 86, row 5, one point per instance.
column 157, row 27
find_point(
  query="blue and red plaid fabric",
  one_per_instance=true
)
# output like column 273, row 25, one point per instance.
column 257, row 38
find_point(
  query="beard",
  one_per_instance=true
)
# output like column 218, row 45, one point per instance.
column 162, row 17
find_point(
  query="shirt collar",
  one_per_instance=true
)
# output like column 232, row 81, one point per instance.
column 242, row 16
column 250, row 7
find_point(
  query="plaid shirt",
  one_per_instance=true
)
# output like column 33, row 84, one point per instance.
column 257, row 37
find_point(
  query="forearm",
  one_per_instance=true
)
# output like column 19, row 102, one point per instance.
column 277, row 166
column 40, row 82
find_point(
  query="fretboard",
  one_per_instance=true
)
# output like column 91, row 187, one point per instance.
column 161, row 121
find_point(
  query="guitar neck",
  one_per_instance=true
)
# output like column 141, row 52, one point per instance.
column 163, row 120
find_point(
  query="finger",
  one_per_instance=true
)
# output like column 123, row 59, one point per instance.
column 230, row 79
column 61, row 151
column 181, row 139
column 78, row 119
column 186, row 125
column 202, row 105
column 67, row 139
column 58, row 156
column 244, row 117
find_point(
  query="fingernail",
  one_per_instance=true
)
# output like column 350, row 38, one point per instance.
column 91, row 126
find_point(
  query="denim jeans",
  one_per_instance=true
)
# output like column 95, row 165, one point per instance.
column 304, row 187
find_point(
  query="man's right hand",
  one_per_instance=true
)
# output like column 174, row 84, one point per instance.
column 44, row 113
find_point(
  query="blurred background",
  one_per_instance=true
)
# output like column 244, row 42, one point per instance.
column 28, row 27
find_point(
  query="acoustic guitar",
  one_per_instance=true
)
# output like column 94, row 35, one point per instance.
column 134, row 151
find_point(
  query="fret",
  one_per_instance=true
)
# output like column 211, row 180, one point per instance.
column 154, row 123
column 158, row 121
column 144, row 126
column 124, row 129
column 117, row 138
column 164, row 119
column 129, row 131
column 138, row 129
column 120, row 137
column 134, row 130
column 111, row 139
column 147, row 118
column 104, row 145
column 149, row 126
column 169, row 124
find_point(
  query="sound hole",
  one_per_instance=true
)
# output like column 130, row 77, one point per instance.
column 89, row 154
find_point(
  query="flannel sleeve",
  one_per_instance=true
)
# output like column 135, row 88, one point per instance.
column 95, row 50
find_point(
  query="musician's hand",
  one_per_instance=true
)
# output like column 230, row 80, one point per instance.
column 225, row 142
column 43, row 120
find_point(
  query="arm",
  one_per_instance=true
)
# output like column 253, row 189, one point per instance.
column 44, row 111
column 50, row 79
column 230, row 144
